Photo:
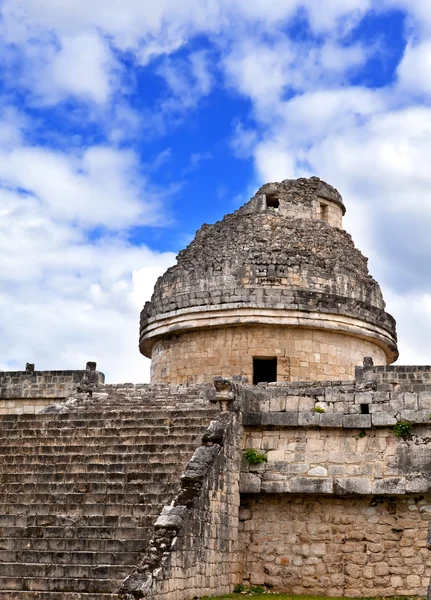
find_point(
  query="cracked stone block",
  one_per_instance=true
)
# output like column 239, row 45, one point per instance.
column 357, row 421
column 352, row 485
column 311, row 485
column 308, row 419
column 282, row 419
column 383, row 418
column 249, row 483
column 331, row 420
column 390, row 485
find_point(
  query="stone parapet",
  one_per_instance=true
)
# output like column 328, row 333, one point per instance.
column 30, row 391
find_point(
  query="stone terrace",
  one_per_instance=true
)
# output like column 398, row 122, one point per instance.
column 81, row 486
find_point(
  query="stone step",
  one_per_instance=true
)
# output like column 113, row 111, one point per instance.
column 73, row 545
column 129, row 457
column 107, row 467
column 64, row 570
column 126, row 432
column 87, row 488
column 91, row 499
column 139, row 518
column 158, row 473
column 101, row 416
column 37, row 595
column 93, row 558
column 169, row 420
column 121, row 533
column 132, row 447
column 69, row 584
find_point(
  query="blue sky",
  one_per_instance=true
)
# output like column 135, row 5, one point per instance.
column 125, row 126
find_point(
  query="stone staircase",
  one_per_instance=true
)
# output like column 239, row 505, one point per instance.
column 81, row 489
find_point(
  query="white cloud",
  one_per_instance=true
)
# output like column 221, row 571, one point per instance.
column 188, row 80
column 69, row 300
column 98, row 186
column 414, row 71
column 84, row 67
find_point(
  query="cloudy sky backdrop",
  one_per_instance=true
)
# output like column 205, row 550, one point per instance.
column 124, row 125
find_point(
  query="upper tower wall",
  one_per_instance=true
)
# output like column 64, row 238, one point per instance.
column 300, row 199
column 278, row 278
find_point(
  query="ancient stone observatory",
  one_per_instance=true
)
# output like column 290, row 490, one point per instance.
column 276, row 291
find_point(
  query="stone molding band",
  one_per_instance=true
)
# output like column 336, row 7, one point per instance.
column 185, row 320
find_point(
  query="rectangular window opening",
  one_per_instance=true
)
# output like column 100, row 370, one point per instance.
column 365, row 409
column 272, row 202
column 264, row 370
column 324, row 212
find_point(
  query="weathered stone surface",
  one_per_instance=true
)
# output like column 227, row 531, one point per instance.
column 390, row 485
column 85, row 485
column 307, row 419
column 311, row 485
column 345, row 546
column 352, row 485
column 331, row 420
column 250, row 483
column 383, row 419
column 282, row 419
column 357, row 421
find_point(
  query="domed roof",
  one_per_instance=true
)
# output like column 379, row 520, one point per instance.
column 275, row 258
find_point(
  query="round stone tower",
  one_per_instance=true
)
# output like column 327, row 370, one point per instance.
column 275, row 291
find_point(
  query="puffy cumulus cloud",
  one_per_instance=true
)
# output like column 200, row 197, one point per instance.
column 99, row 186
column 66, row 299
column 414, row 71
column 71, row 284
column 64, row 44
column 83, row 66
column 267, row 72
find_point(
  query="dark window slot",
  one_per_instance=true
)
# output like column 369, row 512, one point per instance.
column 264, row 370
column 272, row 202
column 365, row 409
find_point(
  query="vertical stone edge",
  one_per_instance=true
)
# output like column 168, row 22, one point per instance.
column 194, row 549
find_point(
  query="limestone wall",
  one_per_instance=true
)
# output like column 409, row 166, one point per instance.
column 346, row 503
column 315, row 545
column 302, row 354
column 30, row 391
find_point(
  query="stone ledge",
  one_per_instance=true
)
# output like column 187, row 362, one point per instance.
column 335, row 420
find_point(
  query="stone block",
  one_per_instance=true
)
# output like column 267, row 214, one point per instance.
column 381, row 419
column 275, row 487
column 418, row 485
column 308, row 419
column 280, row 419
column 390, row 485
column 171, row 517
column 318, row 471
column 416, row 416
column 410, row 401
column 357, row 421
column 331, row 420
column 292, row 403
column 396, row 401
column 352, row 485
column 364, row 398
column 424, row 401
column 252, row 418
column 305, row 403
column 429, row 536
column 249, row 483
column 311, row 485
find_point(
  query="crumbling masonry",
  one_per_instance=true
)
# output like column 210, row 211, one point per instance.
column 269, row 334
